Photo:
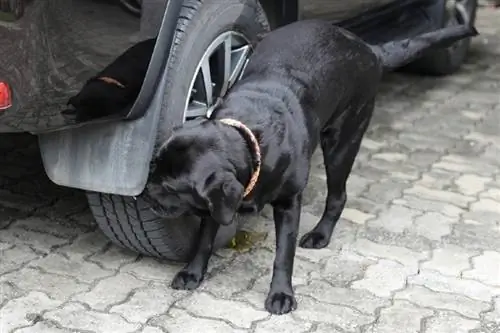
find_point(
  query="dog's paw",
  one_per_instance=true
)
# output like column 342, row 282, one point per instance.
column 280, row 303
column 314, row 240
column 185, row 280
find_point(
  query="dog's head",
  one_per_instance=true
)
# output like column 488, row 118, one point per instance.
column 98, row 98
column 192, row 174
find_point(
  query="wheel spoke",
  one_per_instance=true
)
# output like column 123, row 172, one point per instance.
column 207, row 81
column 196, row 109
column 225, row 64
column 239, row 56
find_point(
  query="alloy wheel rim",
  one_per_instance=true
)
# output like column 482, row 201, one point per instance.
column 219, row 69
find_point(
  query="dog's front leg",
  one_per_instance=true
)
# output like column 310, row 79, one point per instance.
column 281, row 297
column 191, row 276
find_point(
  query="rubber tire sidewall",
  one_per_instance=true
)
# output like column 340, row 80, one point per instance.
column 444, row 61
column 128, row 221
column 130, row 8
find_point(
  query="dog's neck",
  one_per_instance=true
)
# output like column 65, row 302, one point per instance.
column 253, row 148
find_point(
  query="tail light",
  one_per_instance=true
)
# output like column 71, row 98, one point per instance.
column 5, row 96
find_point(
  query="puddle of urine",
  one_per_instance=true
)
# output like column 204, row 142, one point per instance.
column 244, row 240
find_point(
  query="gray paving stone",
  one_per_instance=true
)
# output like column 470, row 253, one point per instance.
column 407, row 239
column 429, row 205
column 8, row 216
column 83, row 271
column 85, row 245
column 472, row 237
column 402, row 317
column 449, row 260
column 486, row 204
column 40, row 241
column 362, row 300
column 5, row 246
column 113, row 258
column 180, row 321
column 383, row 278
column 44, row 327
column 348, row 266
column 427, row 298
column 110, row 291
column 59, row 288
column 448, row 323
column 234, row 278
column 61, row 229
column 450, row 197
column 151, row 269
column 150, row 329
column 494, row 314
column 447, row 284
column 471, row 184
column 146, row 303
column 7, row 292
column 433, row 226
column 346, row 318
column 15, row 257
column 461, row 164
column 395, row 219
column 356, row 216
column 406, row 257
column 76, row 317
column 438, row 179
column 25, row 310
column 325, row 328
column 205, row 305
column 387, row 190
column 486, row 268
column 282, row 324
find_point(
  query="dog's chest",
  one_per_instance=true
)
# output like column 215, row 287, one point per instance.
column 249, row 207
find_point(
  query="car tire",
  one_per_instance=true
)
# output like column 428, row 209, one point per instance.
column 447, row 60
column 129, row 222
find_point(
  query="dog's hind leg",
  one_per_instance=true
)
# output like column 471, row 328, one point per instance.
column 339, row 153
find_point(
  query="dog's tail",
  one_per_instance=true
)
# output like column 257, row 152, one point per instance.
column 399, row 53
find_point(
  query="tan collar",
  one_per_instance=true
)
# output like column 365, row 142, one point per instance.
column 110, row 80
column 255, row 149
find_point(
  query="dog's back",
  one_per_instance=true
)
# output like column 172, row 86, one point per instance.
column 328, row 65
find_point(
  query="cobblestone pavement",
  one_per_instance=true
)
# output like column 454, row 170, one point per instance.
column 417, row 250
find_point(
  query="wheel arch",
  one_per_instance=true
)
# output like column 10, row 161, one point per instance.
column 280, row 12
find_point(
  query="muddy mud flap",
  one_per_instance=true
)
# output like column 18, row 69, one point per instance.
column 114, row 157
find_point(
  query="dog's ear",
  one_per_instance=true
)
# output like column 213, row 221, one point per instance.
column 223, row 194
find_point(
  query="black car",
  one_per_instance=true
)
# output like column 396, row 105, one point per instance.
column 51, row 47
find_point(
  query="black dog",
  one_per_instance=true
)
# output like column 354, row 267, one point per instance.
column 116, row 86
column 306, row 83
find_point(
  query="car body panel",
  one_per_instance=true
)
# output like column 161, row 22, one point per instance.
column 56, row 45
column 114, row 157
column 337, row 10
